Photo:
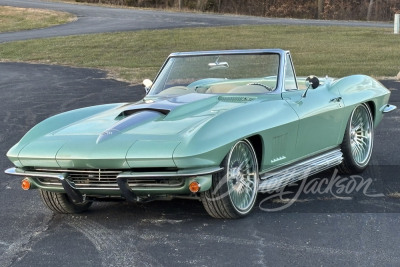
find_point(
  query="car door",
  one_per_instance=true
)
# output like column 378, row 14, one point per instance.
column 319, row 114
column 319, row 119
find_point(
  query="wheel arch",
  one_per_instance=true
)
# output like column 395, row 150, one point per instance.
column 354, row 160
column 257, row 143
column 372, row 108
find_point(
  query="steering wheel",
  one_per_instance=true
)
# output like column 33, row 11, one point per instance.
column 263, row 85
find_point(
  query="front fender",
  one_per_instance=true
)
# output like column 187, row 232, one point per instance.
column 53, row 123
column 358, row 89
column 211, row 142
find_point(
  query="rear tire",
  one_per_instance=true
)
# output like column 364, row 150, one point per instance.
column 61, row 203
column 358, row 141
column 234, row 190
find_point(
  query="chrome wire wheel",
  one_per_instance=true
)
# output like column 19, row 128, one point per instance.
column 233, row 191
column 242, row 176
column 361, row 135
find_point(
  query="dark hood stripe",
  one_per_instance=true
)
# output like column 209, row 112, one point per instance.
column 134, row 120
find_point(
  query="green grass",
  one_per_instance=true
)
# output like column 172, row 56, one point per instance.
column 133, row 56
column 17, row 19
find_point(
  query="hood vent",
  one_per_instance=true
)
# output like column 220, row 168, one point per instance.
column 236, row 99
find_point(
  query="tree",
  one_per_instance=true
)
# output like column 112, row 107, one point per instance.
column 320, row 8
column 371, row 3
column 200, row 4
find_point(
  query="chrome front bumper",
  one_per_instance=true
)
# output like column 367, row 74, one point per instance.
column 122, row 180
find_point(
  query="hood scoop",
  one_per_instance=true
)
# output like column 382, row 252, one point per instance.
column 185, row 103
column 146, row 111
column 163, row 107
column 138, row 118
column 129, row 112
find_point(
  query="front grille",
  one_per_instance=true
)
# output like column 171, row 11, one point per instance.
column 49, row 181
column 106, row 179
column 99, row 178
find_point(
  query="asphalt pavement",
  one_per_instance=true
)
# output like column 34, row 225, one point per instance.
column 358, row 228
column 328, row 226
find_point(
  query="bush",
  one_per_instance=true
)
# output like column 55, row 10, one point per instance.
column 379, row 10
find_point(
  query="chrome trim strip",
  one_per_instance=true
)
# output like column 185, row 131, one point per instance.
column 388, row 108
column 20, row 172
column 114, row 186
column 181, row 173
column 228, row 52
column 296, row 161
column 64, row 174
column 96, row 171
column 273, row 181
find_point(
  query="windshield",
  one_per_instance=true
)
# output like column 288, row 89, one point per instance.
column 218, row 74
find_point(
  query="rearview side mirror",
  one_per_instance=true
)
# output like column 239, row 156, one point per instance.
column 147, row 85
column 311, row 82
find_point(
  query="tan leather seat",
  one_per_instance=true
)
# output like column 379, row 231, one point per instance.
column 177, row 90
column 248, row 89
column 220, row 88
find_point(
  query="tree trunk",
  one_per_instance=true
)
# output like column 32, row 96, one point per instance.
column 320, row 8
column 371, row 3
column 201, row 5
column 377, row 5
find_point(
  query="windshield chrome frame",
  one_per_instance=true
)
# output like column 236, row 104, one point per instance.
column 290, row 61
column 281, row 69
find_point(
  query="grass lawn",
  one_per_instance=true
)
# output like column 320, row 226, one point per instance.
column 133, row 56
column 17, row 19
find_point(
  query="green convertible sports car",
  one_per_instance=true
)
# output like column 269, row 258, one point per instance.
column 217, row 126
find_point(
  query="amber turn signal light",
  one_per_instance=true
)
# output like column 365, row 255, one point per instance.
column 25, row 184
column 194, row 187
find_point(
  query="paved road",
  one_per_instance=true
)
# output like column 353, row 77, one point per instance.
column 93, row 19
column 318, row 229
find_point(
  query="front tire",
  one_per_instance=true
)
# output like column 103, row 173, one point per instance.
column 357, row 141
column 234, row 190
column 61, row 203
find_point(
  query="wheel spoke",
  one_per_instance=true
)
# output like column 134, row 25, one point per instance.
column 242, row 169
column 361, row 137
column 361, row 141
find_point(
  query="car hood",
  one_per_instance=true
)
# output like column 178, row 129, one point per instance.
column 150, row 117
column 121, row 137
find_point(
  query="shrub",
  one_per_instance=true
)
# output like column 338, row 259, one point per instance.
column 379, row 10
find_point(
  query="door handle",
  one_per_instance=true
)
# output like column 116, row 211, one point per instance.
column 336, row 99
